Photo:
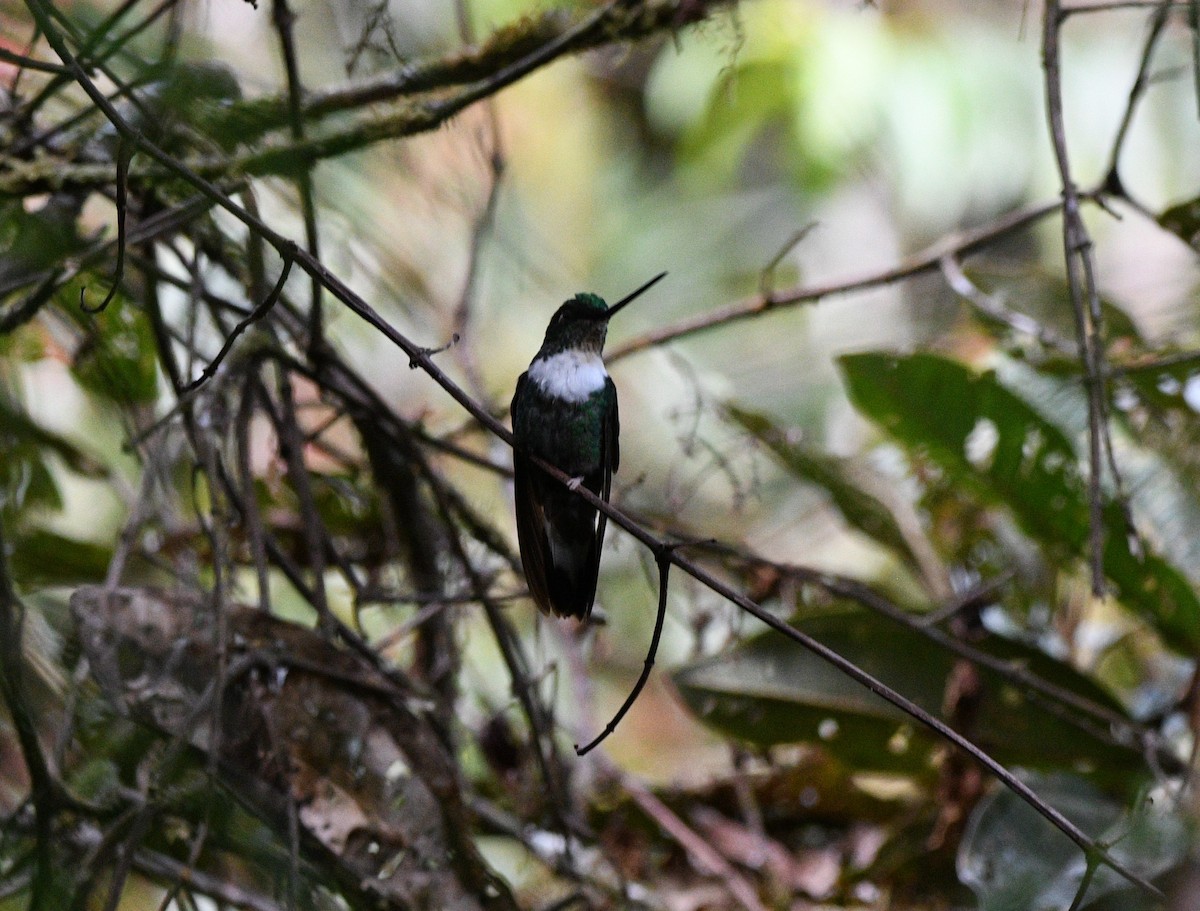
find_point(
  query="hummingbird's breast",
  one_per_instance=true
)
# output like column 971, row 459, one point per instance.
column 571, row 375
column 561, row 411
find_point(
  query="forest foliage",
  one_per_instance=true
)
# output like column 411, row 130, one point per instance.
column 909, row 455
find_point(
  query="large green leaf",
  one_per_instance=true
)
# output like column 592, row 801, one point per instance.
column 771, row 691
column 1154, row 439
column 834, row 475
column 999, row 446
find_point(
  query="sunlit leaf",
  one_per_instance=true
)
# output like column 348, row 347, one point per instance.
column 1004, row 450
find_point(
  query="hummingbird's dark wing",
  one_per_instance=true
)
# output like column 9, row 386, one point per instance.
column 531, row 517
column 610, row 447
column 612, row 436
column 531, row 531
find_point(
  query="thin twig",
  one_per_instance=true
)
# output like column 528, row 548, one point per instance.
column 1107, row 6
column 993, row 309
column 664, row 567
column 283, row 18
column 1085, row 301
column 255, row 315
column 766, row 281
column 1140, row 83
column 29, row 63
column 124, row 157
column 1084, row 882
column 1194, row 25
column 702, row 853
column 251, row 514
column 318, row 542
column 163, row 866
column 485, row 220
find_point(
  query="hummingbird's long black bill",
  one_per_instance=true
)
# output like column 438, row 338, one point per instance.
column 628, row 298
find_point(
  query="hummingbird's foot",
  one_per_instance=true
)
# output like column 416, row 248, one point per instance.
column 573, row 484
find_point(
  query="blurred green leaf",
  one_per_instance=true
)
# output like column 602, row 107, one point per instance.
column 41, row 557
column 346, row 504
column 1012, row 857
column 765, row 91
column 1000, row 447
column 34, row 241
column 1045, row 299
column 118, row 361
column 799, row 99
column 1163, row 382
column 1183, row 220
column 1119, row 327
column 27, row 481
column 1158, row 469
column 19, row 429
column 96, row 780
column 24, row 473
column 117, row 748
column 835, row 476
column 771, row 691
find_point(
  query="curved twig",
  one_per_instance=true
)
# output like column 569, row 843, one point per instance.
column 662, row 558
column 255, row 315
column 124, row 157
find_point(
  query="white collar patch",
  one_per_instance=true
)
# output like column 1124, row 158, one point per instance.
column 571, row 375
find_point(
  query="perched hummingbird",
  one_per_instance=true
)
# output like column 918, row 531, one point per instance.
column 565, row 412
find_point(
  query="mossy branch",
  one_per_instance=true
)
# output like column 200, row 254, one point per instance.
column 419, row 98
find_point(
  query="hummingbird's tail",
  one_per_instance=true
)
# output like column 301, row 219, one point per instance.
column 560, row 547
column 574, row 552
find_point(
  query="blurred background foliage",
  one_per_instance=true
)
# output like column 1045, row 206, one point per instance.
column 897, row 463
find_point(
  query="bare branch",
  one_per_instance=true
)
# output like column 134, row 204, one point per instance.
column 957, row 245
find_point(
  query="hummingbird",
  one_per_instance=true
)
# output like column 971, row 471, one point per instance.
column 565, row 412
